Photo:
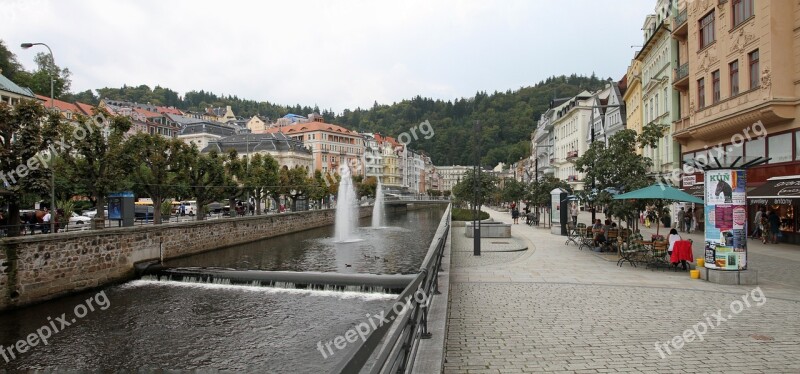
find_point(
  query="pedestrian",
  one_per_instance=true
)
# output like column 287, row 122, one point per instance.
column 515, row 215
column 46, row 221
column 774, row 226
column 681, row 216
column 698, row 219
column 687, row 220
column 573, row 210
column 757, row 223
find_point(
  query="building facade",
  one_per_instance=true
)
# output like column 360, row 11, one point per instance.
column 452, row 175
column 656, row 58
column 570, row 130
column 633, row 98
column 739, row 81
column 286, row 151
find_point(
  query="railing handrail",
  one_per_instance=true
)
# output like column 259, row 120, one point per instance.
column 398, row 349
column 681, row 18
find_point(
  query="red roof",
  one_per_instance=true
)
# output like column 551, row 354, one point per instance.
column 61, row 105
column 85, row 108
column 169, row 110
column 310, row 127
column 147, row 113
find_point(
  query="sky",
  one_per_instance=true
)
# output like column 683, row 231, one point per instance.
column 334, row 54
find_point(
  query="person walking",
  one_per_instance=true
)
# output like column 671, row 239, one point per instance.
column 573, row 210
column 681, row 216
column 687, row 220
column 515, row 215
column 46, row 221
column 757, row 223
column 774, row 226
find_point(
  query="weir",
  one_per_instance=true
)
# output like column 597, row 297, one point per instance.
column 282, row 279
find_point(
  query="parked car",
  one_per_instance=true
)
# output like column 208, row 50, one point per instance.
column 78, row 220
column 92, row 213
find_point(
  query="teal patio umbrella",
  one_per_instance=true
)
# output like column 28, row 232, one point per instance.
column 659, row 191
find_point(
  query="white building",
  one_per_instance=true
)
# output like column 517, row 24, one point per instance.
column 656, row 58
column 569, row 135
column 608, row 113
column 451, row 175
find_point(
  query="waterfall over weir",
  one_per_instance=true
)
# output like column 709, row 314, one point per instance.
column 366, row 283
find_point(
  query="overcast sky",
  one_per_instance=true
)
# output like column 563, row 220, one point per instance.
column 335, row 54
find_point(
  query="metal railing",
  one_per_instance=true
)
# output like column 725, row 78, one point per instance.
column 682, row 72
column 681, row 18
column 392, row 348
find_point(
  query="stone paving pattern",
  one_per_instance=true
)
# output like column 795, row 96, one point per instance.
column 554, row 308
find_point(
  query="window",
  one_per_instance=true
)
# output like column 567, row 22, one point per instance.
column 656, row 108
column 742, row 10
column 754, row 148
column 666, row 97
column 715, row 86
column 780, row 148
column 701, row 93
column 734, row 74
column 707, row 30
column 753, row 57
column 732, row 152
column 797, row 141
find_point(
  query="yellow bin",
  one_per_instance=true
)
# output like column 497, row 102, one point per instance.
column 695, row 274
column 701, row 262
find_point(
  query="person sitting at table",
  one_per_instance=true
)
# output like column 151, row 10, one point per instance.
column 599, row 237
column 673, row 237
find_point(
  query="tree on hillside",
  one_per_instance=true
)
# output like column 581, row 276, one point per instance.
column 39, row 79
column 9, row 66
column 26, row 130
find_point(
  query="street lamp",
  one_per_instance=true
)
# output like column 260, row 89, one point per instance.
column 53, row 211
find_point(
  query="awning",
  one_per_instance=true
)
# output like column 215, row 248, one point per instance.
column 780, row 191
column 697, row 190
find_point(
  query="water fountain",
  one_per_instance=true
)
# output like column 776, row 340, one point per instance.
column 346, row 209
column 377, row 210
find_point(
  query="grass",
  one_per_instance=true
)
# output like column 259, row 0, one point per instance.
column 466, row 215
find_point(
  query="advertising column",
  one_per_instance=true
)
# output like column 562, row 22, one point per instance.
column 726, row 219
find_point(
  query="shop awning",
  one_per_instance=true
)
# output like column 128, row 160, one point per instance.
column 780, row 190
column 697, row 190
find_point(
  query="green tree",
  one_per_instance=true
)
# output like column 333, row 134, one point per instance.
column 513, row 190
column 464, row 191
column 262, row 176
column 9, row 66
column 368, row 187
column 206, row 178
column 318, row 189
column 97, row 157
column 157, row 165
column 615, row 168
column 26, row 131
column 294, row 183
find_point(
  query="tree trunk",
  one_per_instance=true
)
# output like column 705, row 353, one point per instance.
column 14, row 224
column 99, row 220
column 156, row 209
column 258, row 205
column 232, row 207
column 201, row 211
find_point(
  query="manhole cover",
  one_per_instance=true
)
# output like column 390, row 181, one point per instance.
column 762, row 338
column 500, row 243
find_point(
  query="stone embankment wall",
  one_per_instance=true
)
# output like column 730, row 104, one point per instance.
column 41, row 267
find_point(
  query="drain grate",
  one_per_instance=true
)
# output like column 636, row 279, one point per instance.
column 501, row 243
column 762, row 338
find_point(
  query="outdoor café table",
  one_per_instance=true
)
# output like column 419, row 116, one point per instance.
column 681, row 251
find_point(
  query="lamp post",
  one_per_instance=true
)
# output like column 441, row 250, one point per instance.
column 476, row 223
column 53, row 211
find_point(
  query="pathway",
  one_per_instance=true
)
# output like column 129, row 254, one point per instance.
column 554, row 308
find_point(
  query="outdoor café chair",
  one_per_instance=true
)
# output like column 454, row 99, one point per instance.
column 659, row 254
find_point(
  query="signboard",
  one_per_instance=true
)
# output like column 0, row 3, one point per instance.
column 115, row 208
column 726, row 219
column 689, row 180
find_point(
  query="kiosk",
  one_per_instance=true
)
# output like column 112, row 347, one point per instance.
column 559, row 212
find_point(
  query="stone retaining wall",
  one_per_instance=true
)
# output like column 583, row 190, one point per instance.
column 41, row 267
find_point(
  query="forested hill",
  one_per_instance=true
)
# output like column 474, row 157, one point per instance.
column 508, row 118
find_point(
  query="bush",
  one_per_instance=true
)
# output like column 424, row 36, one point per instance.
column 466, row 215
column 82, row 205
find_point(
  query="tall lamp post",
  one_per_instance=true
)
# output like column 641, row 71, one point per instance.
column 591, row 123
column 53, row 211
column 476, row 207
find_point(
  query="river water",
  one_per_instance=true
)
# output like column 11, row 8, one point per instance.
column 149, row 325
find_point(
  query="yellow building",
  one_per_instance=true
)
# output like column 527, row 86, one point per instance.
column 738, row 77
column 633, row 98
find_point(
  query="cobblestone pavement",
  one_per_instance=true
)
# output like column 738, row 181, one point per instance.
column 557, row 309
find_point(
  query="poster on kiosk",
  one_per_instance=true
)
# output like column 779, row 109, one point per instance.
column 726, row 219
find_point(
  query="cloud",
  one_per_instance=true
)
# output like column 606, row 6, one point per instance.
column 337, row 55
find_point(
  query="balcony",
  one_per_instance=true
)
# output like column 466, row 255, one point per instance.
column 681, row 77
column 681, row 24
column 571, row 155
column 572, row 178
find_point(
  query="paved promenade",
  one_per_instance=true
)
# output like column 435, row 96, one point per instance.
column 554, row 308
